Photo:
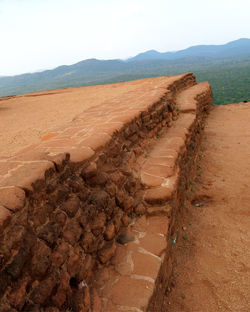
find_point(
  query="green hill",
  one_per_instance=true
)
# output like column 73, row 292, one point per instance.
column 226, row 67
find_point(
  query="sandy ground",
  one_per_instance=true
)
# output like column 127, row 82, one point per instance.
column 25, row 119
column 212, row 266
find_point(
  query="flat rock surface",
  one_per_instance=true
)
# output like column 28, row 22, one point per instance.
column 184, row 99
column 26, row 119
column 212, row 269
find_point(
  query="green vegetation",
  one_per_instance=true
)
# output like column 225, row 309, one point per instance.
column 227, row 72
column 131, row 215
column 230, row 81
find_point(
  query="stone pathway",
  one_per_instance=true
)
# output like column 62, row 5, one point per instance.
column 142, row 258
column 129, row 285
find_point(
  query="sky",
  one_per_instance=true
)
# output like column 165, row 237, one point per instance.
column 42, row 34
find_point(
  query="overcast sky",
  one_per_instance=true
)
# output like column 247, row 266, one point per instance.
column 43, row 34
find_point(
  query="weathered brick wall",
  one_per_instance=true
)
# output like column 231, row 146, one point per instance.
column 65, row 202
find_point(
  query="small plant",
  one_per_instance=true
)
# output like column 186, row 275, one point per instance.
column 190, row 223
column 178, row 108
column 131, row 215
column 198, row 167
column 185, row 237
column 183, row 296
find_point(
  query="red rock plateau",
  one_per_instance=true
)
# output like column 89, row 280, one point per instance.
column 30, row 117
column 112, row 196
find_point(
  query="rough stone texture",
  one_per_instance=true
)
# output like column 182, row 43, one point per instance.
column 71, row 204
column 12, row 198
column 4, row 216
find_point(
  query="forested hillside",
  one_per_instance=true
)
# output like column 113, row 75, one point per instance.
column 226, row 67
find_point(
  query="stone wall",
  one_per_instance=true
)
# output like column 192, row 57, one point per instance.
column 66, row 202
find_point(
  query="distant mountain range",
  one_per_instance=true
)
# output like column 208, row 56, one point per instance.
column 198, row 59
column 240, row 47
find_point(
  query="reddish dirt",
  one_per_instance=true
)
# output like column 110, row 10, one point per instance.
column 212, row 255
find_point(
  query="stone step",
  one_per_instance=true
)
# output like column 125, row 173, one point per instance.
column 141, row 264
column 160, row 171
column 130, row 284
column 185, row 100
